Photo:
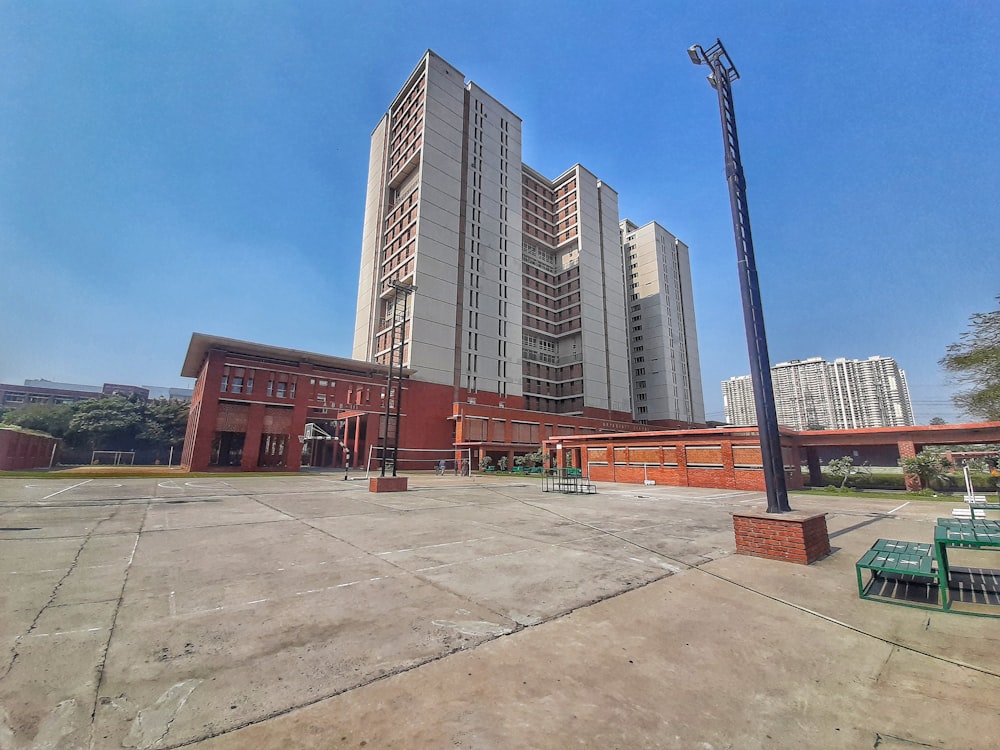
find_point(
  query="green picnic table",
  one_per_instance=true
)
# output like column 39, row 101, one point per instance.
column 909, row 561
column 967, row 533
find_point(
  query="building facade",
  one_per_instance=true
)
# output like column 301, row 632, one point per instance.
column 252, row 403
column 814, row 394
column 518, row 278
column 500, row 291
column 663, row 338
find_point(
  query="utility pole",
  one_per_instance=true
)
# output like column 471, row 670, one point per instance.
column 721, row 78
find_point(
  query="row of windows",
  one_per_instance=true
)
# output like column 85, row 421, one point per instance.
column 241, row 381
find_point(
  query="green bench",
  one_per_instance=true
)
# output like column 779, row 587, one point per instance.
column 901, row 573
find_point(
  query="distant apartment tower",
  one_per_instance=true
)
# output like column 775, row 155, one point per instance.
column 519, row 290
column 816, row 394
column 663, row 339
column 738, row 400
column 871, row 393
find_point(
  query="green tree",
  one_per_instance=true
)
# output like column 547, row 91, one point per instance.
column 937, row 421
column 164, row 423
column 51, row 418
column 844, row 468
column 107, row 423
column 928, row 466
column 975, row 360
column 502, row 463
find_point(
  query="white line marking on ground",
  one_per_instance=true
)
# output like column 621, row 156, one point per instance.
column 433, row 546
column 173, row 605
column 132, row 554
column 467, row 562
column 261, row 601
column 66, row 632
column 900, row 507
column 85, row 481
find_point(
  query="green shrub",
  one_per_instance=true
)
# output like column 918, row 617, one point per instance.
column 873, row 481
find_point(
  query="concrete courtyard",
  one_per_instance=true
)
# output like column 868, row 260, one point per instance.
column 305, row 612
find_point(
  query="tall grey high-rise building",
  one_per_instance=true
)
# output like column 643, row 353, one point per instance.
column 520, row 294
column 663, row 339
column 816, row 394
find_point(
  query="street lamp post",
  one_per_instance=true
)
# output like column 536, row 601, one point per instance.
column 721, row 78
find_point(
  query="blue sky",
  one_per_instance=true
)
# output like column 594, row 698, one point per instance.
column 170, row 167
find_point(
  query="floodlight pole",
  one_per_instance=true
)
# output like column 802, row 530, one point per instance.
column 721, row 78
column 404, row 291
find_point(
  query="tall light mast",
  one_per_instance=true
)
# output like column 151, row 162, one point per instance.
column 721, row 78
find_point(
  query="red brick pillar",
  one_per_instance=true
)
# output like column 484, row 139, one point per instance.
column 793, row 537
column 357, row 441
column 908, row 450
column 815, row 468
column 728, row 464
column 251, row 441
column 682, row 464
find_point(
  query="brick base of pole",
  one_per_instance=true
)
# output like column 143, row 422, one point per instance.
column 387, row 484
column 793, row 537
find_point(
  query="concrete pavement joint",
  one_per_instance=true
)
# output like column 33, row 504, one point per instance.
column 114, row 622
column 55, row 591
column 787, row 603
column 434, row 584
column 852, row 628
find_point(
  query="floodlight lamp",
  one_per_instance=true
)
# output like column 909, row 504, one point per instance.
column 695, row 53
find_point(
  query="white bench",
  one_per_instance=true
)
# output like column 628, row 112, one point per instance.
column 969, row 512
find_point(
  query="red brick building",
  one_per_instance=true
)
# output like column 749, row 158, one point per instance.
column 725, row 458
column 729, row 458
column 252, row 402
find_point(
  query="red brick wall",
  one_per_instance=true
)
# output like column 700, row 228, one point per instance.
column 24, row 450
column 704, row 458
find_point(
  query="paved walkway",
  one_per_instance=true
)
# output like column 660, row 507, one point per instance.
column 307, row 613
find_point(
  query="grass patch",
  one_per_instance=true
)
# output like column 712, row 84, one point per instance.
column 850, row 493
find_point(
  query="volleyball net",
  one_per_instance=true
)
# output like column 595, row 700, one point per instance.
column 449, row 461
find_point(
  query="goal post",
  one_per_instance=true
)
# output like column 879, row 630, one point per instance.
column 452, row 461
column 113, row 458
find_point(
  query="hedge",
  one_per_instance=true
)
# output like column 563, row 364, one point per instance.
column 884, row 481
